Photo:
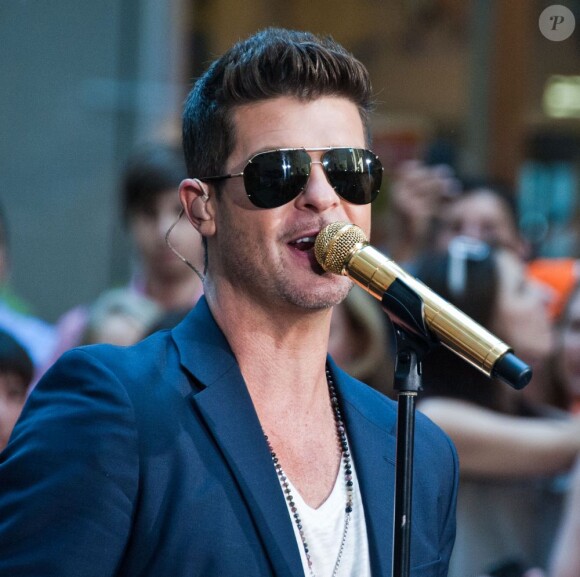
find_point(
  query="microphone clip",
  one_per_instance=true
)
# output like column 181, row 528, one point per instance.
column 405, row 307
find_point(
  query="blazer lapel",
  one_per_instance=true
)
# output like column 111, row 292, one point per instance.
column 227, row 409
column 371, row 428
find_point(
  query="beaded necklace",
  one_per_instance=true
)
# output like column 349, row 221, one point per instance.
column 346, row 460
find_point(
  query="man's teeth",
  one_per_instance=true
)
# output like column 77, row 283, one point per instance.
column 306, row 239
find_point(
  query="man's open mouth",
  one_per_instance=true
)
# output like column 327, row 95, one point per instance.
column 303, row 243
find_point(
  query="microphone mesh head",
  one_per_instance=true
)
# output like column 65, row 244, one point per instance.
column 335, row 243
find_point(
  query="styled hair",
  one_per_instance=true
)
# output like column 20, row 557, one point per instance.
column 272, row 63
column 149, row 172
column 15, row 359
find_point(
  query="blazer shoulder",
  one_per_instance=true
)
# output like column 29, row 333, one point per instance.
column 152, row 350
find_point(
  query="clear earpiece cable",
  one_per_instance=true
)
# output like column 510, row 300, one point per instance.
column 176, row 252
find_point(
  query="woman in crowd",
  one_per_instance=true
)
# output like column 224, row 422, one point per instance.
column 511, row 449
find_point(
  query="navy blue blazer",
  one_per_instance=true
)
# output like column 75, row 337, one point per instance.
column 150, row 461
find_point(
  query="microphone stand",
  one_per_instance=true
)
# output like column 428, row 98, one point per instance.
column 413, row 341
column 407, row 383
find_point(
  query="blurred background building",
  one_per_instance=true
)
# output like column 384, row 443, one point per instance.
column 472, row 83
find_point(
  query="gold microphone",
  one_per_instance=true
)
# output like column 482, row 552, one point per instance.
column 342, row 248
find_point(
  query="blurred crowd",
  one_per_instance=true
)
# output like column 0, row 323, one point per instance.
column 519, row 500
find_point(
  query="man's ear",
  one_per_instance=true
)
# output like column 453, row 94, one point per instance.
column 197, row 205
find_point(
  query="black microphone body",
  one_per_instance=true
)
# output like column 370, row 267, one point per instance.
column 342, row 248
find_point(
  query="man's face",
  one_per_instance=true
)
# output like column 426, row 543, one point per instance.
column 148, row 229
column 257, row 250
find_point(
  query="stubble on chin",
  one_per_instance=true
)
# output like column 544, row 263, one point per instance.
column 325, row 296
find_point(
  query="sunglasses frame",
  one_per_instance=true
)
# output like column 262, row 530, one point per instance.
column 258, row 203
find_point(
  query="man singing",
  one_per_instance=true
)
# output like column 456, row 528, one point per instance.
column 232, row 445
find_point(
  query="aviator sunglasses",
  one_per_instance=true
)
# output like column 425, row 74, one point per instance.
column 275, row 177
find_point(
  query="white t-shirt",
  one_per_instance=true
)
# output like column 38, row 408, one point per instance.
column 323, row 530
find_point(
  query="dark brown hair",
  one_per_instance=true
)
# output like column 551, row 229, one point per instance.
column 274, row 62
column 150, row 171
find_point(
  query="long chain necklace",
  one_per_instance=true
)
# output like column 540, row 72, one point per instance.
column 347, row 464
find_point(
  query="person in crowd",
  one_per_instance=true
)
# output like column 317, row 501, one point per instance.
column 119, row 317
column 428, row 207
column 16, row 374
column 511, row 449
column 488, row 212
column 233, row 444
column 150, row 206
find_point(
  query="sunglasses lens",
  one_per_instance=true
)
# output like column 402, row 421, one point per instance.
column 355, row 173
column 274, row 178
